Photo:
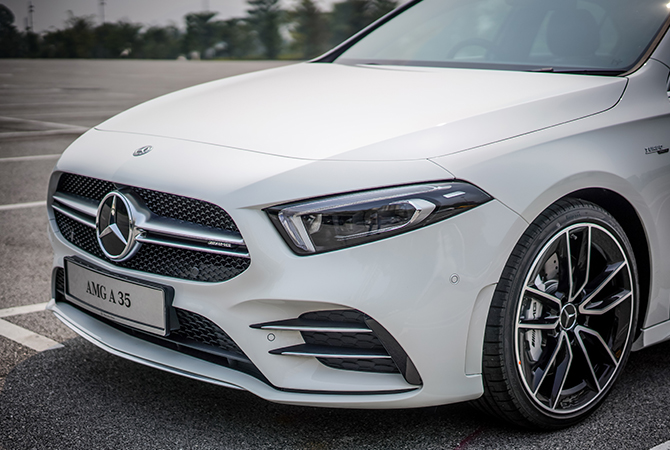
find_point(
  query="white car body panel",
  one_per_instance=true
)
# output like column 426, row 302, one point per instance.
column 384, row 118
column 264, row 139
column 577, row 152
column 280, row 284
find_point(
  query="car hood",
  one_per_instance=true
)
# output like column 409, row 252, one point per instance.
column 325, row 111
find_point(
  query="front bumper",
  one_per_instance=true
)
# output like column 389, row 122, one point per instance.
column 406, row 283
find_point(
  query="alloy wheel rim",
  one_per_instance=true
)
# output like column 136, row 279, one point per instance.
column 574, row 319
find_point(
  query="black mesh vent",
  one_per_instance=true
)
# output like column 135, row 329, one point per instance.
column 158, row 259
column 366, row 341
column 186, row 209
column 186, row 264
column 361, row 365
column 363, row 341
column 84, row 186
column 163, row 204
column 197, row 328
column 344, row 315
column 78, row 234
column 59, row 283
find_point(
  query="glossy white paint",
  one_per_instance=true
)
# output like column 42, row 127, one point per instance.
column 603, row 151
column 246, row 143
column 333, row 111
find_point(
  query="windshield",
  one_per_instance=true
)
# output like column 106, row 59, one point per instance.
column 590, row 36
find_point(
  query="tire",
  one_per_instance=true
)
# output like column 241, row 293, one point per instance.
column 555, row 344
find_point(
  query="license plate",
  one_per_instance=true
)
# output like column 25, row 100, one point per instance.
column 132, row 303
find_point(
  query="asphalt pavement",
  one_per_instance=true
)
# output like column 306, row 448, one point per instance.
column 57, row 391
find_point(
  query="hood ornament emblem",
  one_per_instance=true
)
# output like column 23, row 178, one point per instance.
column 143, row 150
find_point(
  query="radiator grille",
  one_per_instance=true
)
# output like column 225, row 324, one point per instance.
column 187, row 264
column 158, row 259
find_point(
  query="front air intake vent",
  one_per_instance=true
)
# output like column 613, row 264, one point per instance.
column 346, row 340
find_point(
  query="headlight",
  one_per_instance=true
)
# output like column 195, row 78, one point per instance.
column 331, row 223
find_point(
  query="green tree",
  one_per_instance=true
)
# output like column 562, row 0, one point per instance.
column 265, row 16
column 160, row 43
column 77, row 40
column 350, row 16
column 32, row 45
column 117, row 39
column 238, row 38
column 201, row 32
column 310, row 29
column 10, row 38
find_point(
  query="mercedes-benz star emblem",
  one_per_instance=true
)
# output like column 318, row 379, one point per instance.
column 142, row 150
column 115, row 227
column 568, row 316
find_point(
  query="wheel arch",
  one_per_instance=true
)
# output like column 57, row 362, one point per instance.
column 627, row 216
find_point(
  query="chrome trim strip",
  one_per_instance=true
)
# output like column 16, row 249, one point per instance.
column 88, row 221
column 77, row 203
column 200, row 248
column 159, row 225
column 312, row 325
column 315, row 329
column 333, row 355
column 322, row 351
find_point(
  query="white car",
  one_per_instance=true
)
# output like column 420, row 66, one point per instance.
column 468, row 200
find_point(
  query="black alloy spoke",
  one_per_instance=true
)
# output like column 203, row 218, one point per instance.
column 582, row 330
column 563, row 364
column 580, row 251
column 545, row 364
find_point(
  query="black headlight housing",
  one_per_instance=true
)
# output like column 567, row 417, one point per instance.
column 346, row 220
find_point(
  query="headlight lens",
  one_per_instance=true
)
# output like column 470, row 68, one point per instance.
column 332, row 223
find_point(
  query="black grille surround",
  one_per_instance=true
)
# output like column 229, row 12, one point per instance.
column 187, row 264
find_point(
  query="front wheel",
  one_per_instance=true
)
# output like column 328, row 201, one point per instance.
column 562, row 319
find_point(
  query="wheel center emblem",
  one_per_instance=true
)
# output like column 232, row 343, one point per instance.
column 568, row 316
column 115, row 227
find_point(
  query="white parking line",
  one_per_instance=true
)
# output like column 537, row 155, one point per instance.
column 39, row 123
column 26, row 309
column 29, row 158
column 19, row 334
column 23, row 134
column 22, row 205
column 25, row 337
column 663, row 446
column 43, row 128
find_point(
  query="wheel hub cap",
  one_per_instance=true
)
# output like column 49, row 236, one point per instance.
column 568, row 316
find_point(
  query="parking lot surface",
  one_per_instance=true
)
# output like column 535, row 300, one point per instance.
column 57, row 391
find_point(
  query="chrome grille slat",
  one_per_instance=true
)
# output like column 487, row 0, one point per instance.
column 171, row 227
column 79, row 204
column 195, row 247
column 74, row 215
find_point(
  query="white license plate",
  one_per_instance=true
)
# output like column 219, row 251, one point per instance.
column 130, row 303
